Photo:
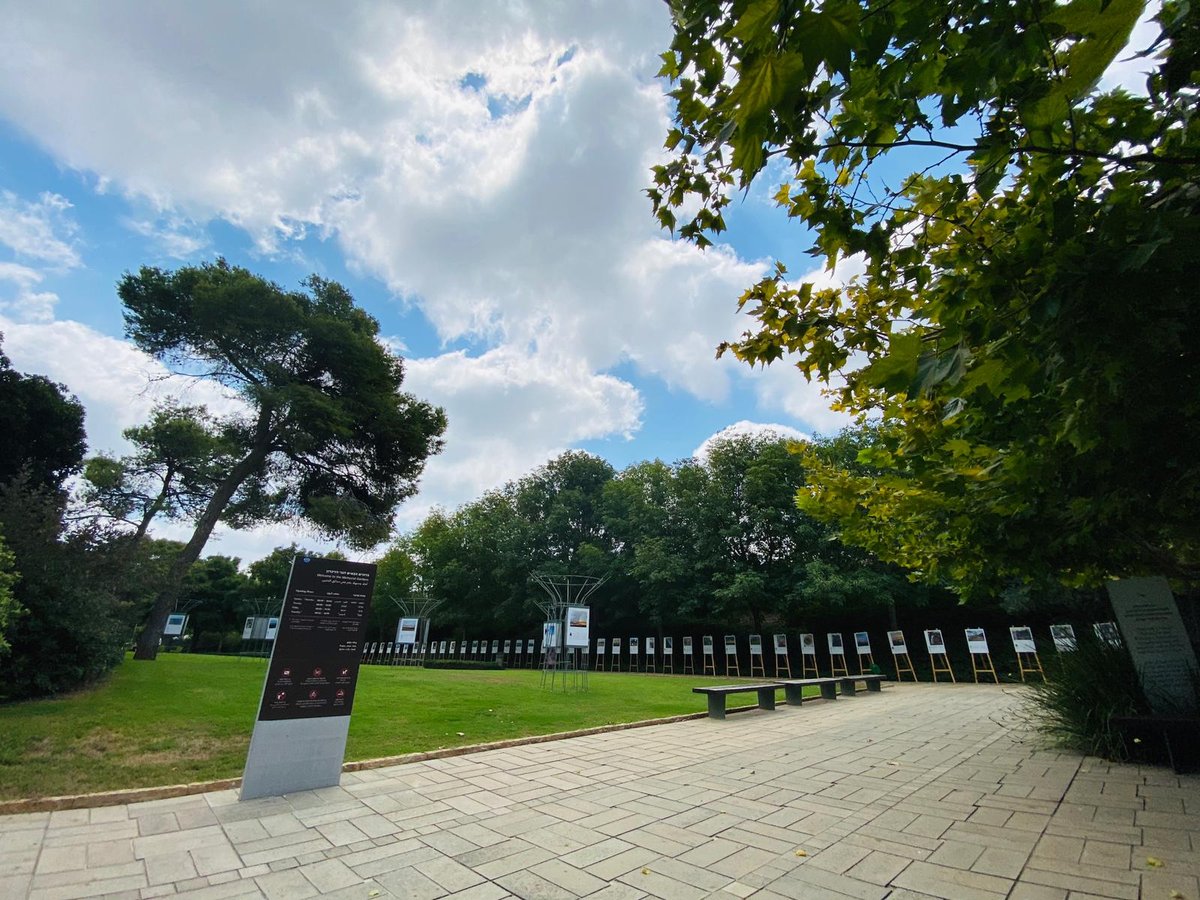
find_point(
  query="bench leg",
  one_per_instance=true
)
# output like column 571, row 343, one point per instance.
column 794, row 694
column 875, row 686
column 828, row 691
column 766, row 698
column 716, row 706
column 848, row 687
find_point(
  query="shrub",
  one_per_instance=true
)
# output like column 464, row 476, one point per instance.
column 461, row 664
column 74, row 626
column 1082, row 691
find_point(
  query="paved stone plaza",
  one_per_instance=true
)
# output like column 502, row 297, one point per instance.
column 921, row 791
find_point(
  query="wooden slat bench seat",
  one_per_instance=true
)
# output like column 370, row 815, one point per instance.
column 850, row 688
column 793, row 688
column 716, row 696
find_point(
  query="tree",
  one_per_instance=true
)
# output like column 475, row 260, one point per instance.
column 9, row 607
column 74, row 591
column 214, row 594
column 327, row 436
column 41, row 429
column 1025, row 327
column 180, row 459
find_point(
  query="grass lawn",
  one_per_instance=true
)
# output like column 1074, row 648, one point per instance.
column 188, row 718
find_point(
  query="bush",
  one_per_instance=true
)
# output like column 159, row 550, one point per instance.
column 1082, row 690
column 461, row 664
column 75, row 625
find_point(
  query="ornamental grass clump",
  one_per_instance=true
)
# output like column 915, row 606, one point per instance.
column 1083, row 690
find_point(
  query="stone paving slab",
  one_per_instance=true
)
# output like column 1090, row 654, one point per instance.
column 922, row 791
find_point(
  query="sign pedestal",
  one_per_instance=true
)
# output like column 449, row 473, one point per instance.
column 299, row 739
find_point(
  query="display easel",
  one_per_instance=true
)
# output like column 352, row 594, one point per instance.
column 900, row 658
column 710, row 660
column 1031, row 664
column 756, row 651
column 651, row 663
column 837, row 650
column 862, row 648
column 689, row 665
column 781, row 653
column 808, row 657
column 936, row 645
column 668, row 656
column 981, row 657
column 601, row 645
column 1026, row 649
column 731, row 654
column 615, row 665
column 635, row 662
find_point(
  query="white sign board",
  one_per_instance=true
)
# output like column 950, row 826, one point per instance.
column 248, row 628
column 896, row 641
column 730, row 645
column 529, row 646
column 934, row 642
column 634, row 646
column 1157, row 642
column 272, row 628
column 453, row 647
column 601, row 645
column 1022, row 638
column 708, row 645
column 442, row 648
column 668, row 645
column 687, row 646
column 808, row 645
column 862, row 643
column 578, row 626
column 616, row 646
column 550, row 632
column 835, row 645
column 976, row 640
column 406, row 631
column 756, row 645
column 176, row 623
column 508, row 646
column 781, row 645
column 495, row 647
column 649, row 646
column 1063, row 637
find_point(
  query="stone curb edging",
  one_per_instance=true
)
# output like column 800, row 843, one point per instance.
column 141, row 795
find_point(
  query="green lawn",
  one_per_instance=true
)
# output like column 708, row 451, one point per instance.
column 188, row 718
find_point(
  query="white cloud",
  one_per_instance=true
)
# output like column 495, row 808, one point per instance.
column 486, row 162
column 25, row 303
column 40, row 231
column 177, row 237
column 1128, row 70
column 508, row 412
column 746, row 428
column 117, row 383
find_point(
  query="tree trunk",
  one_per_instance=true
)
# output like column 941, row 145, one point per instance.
column 168, row 596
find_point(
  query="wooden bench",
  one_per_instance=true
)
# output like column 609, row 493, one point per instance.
column 793, row 688
column 850, row 688
column 1177, row 733
column 716, row 696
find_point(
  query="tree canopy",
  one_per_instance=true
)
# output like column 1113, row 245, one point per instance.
column 1025, row 327
column 41, row 429
column 327, row 435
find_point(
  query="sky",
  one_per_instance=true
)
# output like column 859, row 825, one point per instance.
column 472, row 172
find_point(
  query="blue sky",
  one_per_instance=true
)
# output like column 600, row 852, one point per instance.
column 473, row 173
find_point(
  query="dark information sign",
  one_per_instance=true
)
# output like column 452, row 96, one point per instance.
column 314, row 666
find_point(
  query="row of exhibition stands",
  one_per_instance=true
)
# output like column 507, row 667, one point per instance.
column 635, row 655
